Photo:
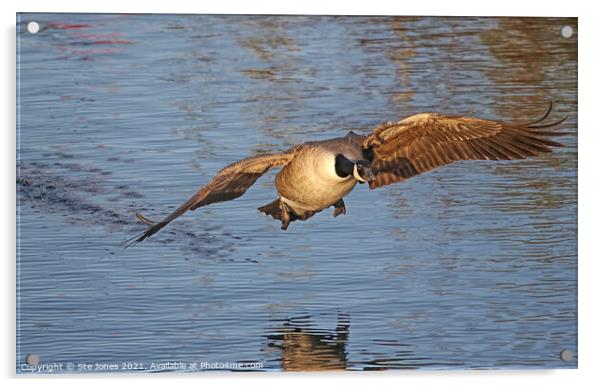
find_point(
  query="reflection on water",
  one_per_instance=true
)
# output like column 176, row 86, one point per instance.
column 304, row 348
column 528, row 55
column 470, row 266
column 401, row 56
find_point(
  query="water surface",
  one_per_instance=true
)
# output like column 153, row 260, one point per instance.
column 473, row 265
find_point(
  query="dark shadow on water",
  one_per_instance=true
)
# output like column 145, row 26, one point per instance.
column 80, row 195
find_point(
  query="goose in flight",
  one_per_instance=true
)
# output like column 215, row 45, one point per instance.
column 318, row 174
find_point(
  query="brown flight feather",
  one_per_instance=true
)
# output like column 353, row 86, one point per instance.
column 229, row 183
column 426, row 141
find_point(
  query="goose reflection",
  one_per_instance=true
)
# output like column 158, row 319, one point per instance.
column 307, row 348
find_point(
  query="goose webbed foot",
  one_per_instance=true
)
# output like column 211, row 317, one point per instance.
column 339, row 208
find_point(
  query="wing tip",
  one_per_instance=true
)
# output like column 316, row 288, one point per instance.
column 153, row 229
column 538, row 123
column 132, row 241
column 548, row 125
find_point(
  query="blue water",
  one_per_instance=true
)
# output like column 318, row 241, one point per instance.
column 473, row 265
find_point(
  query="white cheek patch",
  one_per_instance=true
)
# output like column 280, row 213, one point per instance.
column 357, row 175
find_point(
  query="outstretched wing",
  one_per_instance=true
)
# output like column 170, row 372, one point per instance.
column 229, row 183
column 426, row 141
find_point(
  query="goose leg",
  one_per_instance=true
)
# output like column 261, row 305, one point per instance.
column 286, row 217
column 339, row 208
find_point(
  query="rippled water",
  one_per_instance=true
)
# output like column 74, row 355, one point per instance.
column 473, row 265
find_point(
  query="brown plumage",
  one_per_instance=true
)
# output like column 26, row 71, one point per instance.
column 427, row 141
column 313, row 178
column 229, row 183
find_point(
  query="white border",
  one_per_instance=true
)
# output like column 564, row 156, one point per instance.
column 325, row 7
column 589, row 173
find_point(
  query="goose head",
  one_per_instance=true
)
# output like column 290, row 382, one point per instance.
column 359, row 169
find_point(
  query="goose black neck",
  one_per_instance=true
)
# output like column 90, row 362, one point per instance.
column 343, row 166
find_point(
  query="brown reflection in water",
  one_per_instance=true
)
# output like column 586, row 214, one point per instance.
column 533, row 61
column 305, row 348
column 535, row 65
column 401, row 56
column 268, row 40
column 399, row 49
column 270, row 43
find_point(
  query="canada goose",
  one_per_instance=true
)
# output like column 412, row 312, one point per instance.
column 317, row 175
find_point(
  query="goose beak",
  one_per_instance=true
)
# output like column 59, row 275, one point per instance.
column 368, row 175
column 363, row 172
